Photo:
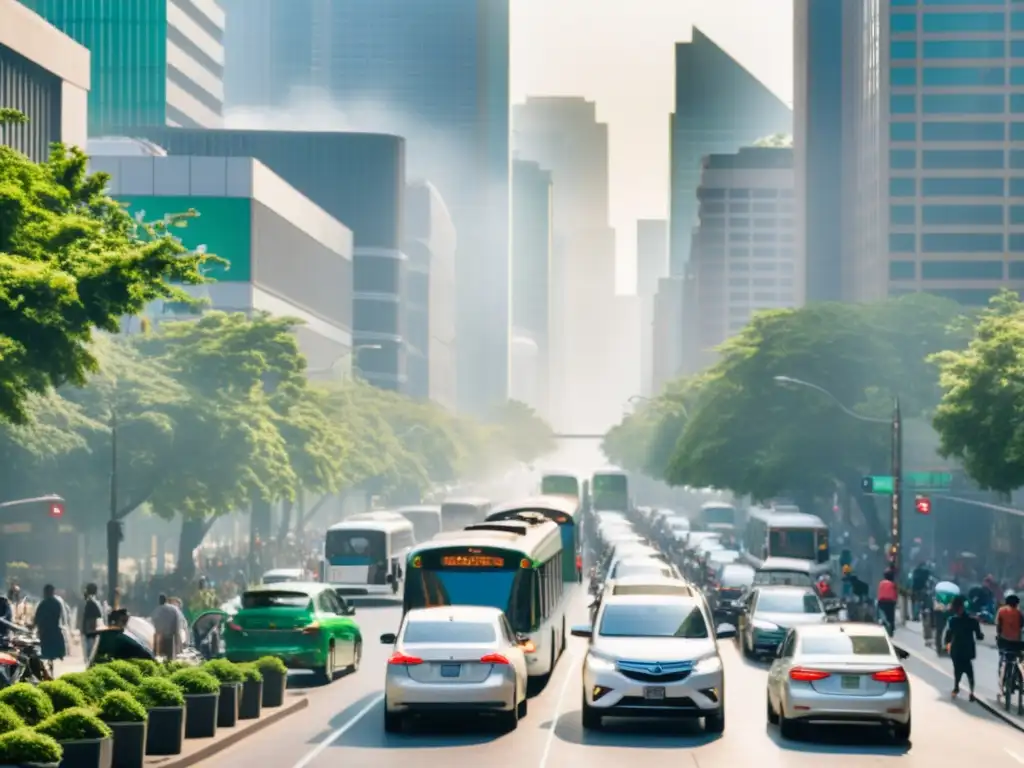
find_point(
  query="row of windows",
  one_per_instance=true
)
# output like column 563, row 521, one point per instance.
column 970, row 297
column 926, row 3
column 906, row 50
column 944, row 77
column 716, row 222
column 954, row 270
column 716, row 208
column 940, row 186
column 956, row 242
column 744, row 266
column 902, row 23
column 951, row 215
column 955, row 159
column 956, row 131
column 717, row 237
column 720, row 193
column 955, row 103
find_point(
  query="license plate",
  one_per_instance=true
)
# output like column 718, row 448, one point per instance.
column 654, row 694
column 450, row 670
column 851, row 681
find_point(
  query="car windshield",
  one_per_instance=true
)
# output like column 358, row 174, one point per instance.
column 788, row 602
column 446, row 632
column 652, row 589
column 268, row 599
column 783, row 578
column 682, row 618
column 843, row 644
column 652, row 568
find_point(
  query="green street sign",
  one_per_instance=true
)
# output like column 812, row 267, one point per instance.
column 877, row 484
column 929, row 480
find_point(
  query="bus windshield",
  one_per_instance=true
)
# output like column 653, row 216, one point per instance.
column 793, row 542
column 610, row 492
column 355, row 547
column 506, row 589
column 426, row 523
column 560, row 485
column 719, row 515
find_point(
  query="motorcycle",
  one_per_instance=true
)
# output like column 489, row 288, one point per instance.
column 19, row 658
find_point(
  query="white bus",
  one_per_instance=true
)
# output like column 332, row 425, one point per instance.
column 514, row 565
column 793, row 535
column 456, row 514
column 566, row 484
column 363, row 554
column 426, row 521
column 717, row 516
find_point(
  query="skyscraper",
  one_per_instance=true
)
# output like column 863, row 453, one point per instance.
column 154, row 62
column 436, row 73
column 651, row 266
column 719, row 107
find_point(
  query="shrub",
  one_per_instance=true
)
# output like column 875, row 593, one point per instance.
column 32, row 705
column 108, row 680
column 195, row 681
column 63, row 695
column 9, row 720
column 170, row 667
column 271, row 664
column 147, row 667
column 84, row 682
column 74, row 725
column 224, row 671
column 159, row 692
column 26, row 747
column 122, row 707
column 126, row 670
column 251, row 672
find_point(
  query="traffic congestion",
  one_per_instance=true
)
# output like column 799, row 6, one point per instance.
column 575, row 626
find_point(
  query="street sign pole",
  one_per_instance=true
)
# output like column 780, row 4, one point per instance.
column 897, row 486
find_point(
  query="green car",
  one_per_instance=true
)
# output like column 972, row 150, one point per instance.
column 306, row 625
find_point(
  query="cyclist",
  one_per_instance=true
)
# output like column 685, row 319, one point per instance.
column 888, row 594
column 1009, row 623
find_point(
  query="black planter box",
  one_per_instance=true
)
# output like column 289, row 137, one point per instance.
column 88, row 753
column 273, row 689
column 201, row 715
column 250, row 706
column 227, row 707
column 129, row 744
column 166, row 732
column 30, row 765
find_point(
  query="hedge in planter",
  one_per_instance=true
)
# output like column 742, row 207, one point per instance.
column 231, row 678
column 126, row 717
column 251, row 705
column 87, row 740
column 26, row 747
column 165, row 703
column 63, row 695
column 147, row 667
column 84, row 682
column 202, row 694
column 107, row 680
column 9, row 720
column 275, row 680
column 125, row 670
column 32, row 705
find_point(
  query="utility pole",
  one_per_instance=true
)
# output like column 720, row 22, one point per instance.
column 896, row 549
column 113, row 524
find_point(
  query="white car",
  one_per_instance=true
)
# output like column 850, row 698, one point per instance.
column 653, row 656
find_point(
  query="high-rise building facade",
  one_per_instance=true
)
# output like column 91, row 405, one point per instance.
column 940, row 182
column 743, row 251
column 719, row 107
column 651, row 266
column 44, row 74
column 154, row 62
column 668, row 330
column 819, row 127
column 436, row 73
column 532, row 243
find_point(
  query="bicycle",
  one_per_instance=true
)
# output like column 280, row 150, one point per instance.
column 1011, row 659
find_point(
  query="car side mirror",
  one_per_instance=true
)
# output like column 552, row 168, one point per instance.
column 388, row 638
column 901, row 654
column 725, row 631
column 583, row 630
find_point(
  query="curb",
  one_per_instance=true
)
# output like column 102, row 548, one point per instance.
column 220, row 745
column 1006, row 717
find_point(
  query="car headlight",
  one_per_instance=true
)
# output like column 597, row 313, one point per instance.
column 708, row 664
column 766, row 626
column 600, row 663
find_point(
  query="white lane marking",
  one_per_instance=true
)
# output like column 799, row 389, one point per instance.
column 333, row 737
column 1014, row 755
column 549, row 742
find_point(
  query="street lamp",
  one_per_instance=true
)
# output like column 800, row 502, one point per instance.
column 354, row 353
column 896, row 423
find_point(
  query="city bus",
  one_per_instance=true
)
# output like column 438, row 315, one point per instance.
column 769, row 533
column 609, row 491
column 514, row 565
column 565, row 484
column 456, row 514
column 364, row 553
column 717, row 517
column 426, row 521
column 563, row 511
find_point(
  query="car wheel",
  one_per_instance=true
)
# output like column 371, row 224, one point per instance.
column 747, row 652
column 773, row 716
column 524, row 707
column 592, row 720
column 901, row 732
column 510, row 720
column 715, row 723
column 326, row 673
column 392, row 721
column 357, row 657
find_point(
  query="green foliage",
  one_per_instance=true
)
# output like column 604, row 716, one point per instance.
column 174, row 665
column 776, row 140
column 251, row 673
column 27, row 747
column 195, row 681
column 147, row 667
column 159, row 692
column 31, row 704
column 63, row 695
column 271, row 665
column 9, row 720
column 224, row 671
column 126, row 670
column 74, row 725
column 122, row 707
column 519, row 434
column 106, row 680
column 85, row 683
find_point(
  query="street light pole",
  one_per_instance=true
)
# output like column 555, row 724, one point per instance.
column 895, row 547
column 113, row 526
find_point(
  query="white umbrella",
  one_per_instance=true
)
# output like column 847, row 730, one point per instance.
column 947, row 587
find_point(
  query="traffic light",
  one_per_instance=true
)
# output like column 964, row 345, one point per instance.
column 923, row 505
column 867, row 484
column 56, row 509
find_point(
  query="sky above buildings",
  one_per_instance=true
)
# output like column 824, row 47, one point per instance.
column 620, row 53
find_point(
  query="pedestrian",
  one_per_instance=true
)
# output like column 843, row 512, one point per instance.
column 50, row 623
column 962, row 632
column 888, row 594
column 166, row 629
column 92, row 615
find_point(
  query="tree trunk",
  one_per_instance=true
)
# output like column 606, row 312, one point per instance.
column 286, row 521
column 192, row 534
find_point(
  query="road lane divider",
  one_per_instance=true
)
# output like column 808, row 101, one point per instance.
column 333, row 737
column 559, row 703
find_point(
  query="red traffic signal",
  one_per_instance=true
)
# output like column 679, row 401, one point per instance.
column 57, row 509
column 923, row 505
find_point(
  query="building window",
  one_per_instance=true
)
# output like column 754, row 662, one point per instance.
column 739, row 253
column 738, row 282
column 969, row 297
column 962, row 49
column 1016, row 270
column 945, row 131
column 764, row 253
column 1017, row 187
column 711, row 193
column 961, row 242
column 375, row 316
column 764, row 207
column 901, row 242
column 1017, row 49
column 901, row 77
column 901, row 159
column 1016, row 158
column 964, row 22
column 902, row 131
column 947, row 76
column 1017, row 214
column 963, row 103
column 940, row 186
column 902, row 270
column 1016, row 131
column 901, row 23
column 957, row 159
column 1017, row 21
column 902, row 187
column 376, row 275
column 982, row 215
column 739, row 237
column 902, row 50
column 712, row 208
column 902, row 104
column 1016, row 243
column 901, row 215
column 738, row 192
column 739, row 207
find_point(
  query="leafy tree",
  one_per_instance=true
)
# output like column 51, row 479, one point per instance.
column 519, row 433
column 70, row 263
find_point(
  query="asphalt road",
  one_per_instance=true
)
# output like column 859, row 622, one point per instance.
column 343, row 726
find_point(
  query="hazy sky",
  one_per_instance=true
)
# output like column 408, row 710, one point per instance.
column 620, row 53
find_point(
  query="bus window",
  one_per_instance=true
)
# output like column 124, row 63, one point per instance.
column 560, row 485
column 718, row 515
column 796, row 543
column 354, row 547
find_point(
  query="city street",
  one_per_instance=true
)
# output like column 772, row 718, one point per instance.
column 343, row 727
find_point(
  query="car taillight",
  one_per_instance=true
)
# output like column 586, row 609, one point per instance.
column 311, row 629
column 804, row 675
column 528, row 647
column 404, row 660
column 894, row 675
column 493, row 658
column 234, row 627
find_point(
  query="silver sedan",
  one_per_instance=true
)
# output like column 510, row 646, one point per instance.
column 838, row 673
column 455, row 659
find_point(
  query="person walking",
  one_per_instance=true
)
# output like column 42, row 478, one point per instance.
column 962, row 634
column 51, row 625
column 888, row 594
column 166, row 629
column 92, row 615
